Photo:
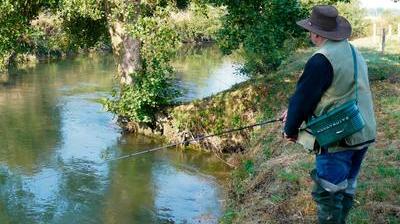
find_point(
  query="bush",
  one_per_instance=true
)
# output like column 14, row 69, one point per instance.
column 48, row 39
column 197, row 23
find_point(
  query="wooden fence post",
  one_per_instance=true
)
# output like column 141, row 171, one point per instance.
column 383, row 40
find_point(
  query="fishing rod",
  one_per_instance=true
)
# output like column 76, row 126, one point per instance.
column 186, row 142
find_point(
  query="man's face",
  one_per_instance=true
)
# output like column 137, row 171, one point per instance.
column 314, row 38
column 317, row 40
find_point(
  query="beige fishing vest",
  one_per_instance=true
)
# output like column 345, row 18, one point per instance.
column 342, row 90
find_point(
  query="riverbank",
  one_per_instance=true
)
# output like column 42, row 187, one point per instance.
column 272, row 185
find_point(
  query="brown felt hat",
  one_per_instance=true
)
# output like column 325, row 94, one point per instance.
column 326, row 22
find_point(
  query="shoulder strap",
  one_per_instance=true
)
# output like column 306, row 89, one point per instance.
column 355, row 70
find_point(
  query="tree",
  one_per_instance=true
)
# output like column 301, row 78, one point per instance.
column 265, row 30
column 15, row 17
column 141, row 37
column 114, row 16
column 142, row 42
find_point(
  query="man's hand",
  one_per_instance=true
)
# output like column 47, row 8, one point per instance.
column 283, row 117
column 284, row 135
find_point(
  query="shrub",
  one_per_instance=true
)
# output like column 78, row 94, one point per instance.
column 197, row 23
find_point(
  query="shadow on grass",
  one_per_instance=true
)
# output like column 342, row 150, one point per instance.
column 381, row 66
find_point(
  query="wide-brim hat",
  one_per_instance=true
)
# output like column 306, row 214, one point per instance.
column 326, row 22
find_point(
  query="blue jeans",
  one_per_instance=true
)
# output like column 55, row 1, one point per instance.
column 339, row 166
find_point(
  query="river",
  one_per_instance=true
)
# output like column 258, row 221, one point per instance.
column 55, row 136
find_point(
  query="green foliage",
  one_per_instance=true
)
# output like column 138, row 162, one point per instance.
column 288, row 175
column 249, row 167
column 276, row 198
column 15, row 28
column 261, row 28
column 197, row 23
column 48, row 39
column 85, row 22
column 182, row 4
column 386, row 171
column 228, row 217
column 236, row 121
column 265, row 30
column 62, row 25
column 239, row 176
column 266, row 146
column 308, row 4
column 93, row 9
column 152, row 87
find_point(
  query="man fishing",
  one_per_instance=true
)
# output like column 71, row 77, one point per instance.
column 326, row 83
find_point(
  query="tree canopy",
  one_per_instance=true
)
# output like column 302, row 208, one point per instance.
column 266, row 30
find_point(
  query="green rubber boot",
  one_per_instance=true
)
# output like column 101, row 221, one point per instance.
column 329, row 204
column 347, row 204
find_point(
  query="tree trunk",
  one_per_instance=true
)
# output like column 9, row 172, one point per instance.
column 383, row 40
column 126, row 49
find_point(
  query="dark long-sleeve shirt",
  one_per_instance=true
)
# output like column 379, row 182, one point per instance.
column 315, row 80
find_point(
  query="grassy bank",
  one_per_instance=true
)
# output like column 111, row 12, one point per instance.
column 272, row 185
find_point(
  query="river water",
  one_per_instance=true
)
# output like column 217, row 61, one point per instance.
column 55, row 136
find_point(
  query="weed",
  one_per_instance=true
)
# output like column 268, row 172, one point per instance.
column 380, row 195
column 249, row 167
column 266, row 144
column 288, row 176
column 276, row 198
column 306, row 165
column 267, row 152
column 359, row 216
column 228, row 216
column 393, row 219
column 236, row 121
column 385, row 171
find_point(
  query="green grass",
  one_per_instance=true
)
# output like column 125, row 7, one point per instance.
column 228, row 217
column 380, row 65
column 385, row 171
column 288, row 175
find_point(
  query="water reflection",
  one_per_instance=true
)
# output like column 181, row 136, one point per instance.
column 54, row 137
column 203, row 71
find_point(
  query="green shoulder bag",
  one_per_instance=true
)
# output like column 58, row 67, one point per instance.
column 340, row 122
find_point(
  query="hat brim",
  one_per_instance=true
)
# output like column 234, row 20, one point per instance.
column 343, row 30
